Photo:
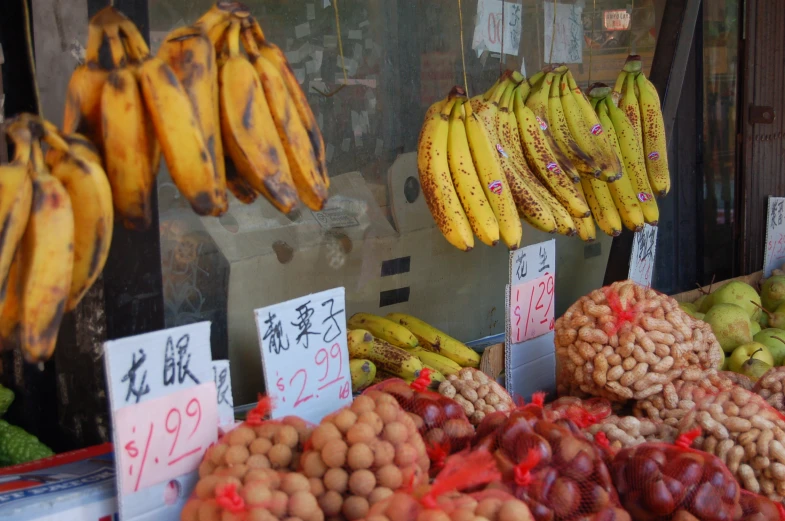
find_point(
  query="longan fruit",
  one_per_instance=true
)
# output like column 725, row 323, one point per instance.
column 312, row 465
column 217, row 453
column 267, row 477
column 209, row 511
column 242, row 435
column 376, row 517
column 419, row 423
column 378, row 494
column 331, row 503
column 237, row 471
column 266, row 430
column 390, row 477
column 278, row 504
column 514, row 511
column 362, row 482
column 316, row 486
column 363, row 404
column 256, row 494
column 385, row 399
column 334, row 453
column 236, row 454
column 395, row 432
column 280, row 456
column 302, row 504
column 402, row 507
column 300, row 425
column 258, row 461
column 324, row 433
column 294, row 482
column 463, row 514
column 388, row 412
column 488, row 507
column 372, row 419
column 336, row 480
column 205, row 487
column 412, row 474
column 433, row 515
column 191, row 510
column 344, row 419
column 260, row 514
column 383, row 453
column 287, row 435
column 360, row 456
column 260, row 446
column 360, row 433
column 355, row 507
column 206, row 468
column 405, row 455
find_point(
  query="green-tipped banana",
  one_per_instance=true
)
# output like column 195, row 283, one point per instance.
column 437, row 341
column 384, row 329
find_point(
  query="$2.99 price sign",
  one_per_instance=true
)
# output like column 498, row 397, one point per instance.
column 305, row 356
column 531, row 307
column 164, row 438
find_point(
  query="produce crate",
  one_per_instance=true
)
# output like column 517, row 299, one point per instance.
column 492, row 361
column 693, row 295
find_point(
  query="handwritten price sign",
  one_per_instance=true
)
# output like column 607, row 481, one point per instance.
column 644, row 249
column 491, row 24
column 305, row 357
column 774, row 256
column 531, row 306
column 166, row 437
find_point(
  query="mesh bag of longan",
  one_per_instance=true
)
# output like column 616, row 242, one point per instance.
column 551, row 467
column 625, row 342
column 363, row 454
column 441, row 421
column 251, row 471
column 673, row 482
column 446, row 498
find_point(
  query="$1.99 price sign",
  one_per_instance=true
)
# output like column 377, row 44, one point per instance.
column 531, row 307
column 305, row 356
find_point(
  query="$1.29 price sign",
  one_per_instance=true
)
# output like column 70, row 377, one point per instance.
column 305, row 356
column 531, row 308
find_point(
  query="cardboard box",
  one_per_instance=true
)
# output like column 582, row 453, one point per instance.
column 75, row 486
column 693, row 295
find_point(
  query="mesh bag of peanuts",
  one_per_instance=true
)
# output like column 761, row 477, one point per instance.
column 625, row 342
column 770, row 388
column 629, row 431
column 747, row 434
column 251, row 470
column 476, row 393
column 444, row 499
column 362, row 454
column 551, row 467
column 441, row 421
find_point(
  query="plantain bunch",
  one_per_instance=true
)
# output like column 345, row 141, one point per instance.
column 57, row 215
column 222, row 118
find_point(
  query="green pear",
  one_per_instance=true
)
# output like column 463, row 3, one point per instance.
column 741, row 294
column 731, row 325
column 699, row 302
column 772, row 294
column 744, row 352
column 723, row 365
column 700, row 316
column 763, row 320
column 754, row 328
column 706, row 302
column 774, row 339
column 754, row 369
column 690, row 309
column 775, row 318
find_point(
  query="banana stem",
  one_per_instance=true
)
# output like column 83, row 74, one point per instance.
column 22, row 139
column 249, row 43
column 522, row 91
column 506, row 97
column 218, row 13
column 37, row 159
column 233, row 39
column 501, row 88
column 447, row 108
column 116, row 47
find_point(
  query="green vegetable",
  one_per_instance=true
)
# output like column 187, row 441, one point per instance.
column 19, row 446
column 6, row 398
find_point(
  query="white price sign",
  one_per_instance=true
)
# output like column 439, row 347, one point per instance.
column 223, row 390
column 616, row 20
column 305, row 356
column 164, row 417
column 774, row 256
column 644, row 248
column 568, row 42
column 490, row 25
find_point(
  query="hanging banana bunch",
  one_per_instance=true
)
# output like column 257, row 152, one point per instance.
column 57, row 211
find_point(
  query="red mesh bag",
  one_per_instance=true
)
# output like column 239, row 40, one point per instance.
column 447, row 500
column 662, row 482
column 582, row 412
column 754, row 507
column 551, row 466
column 441, row 421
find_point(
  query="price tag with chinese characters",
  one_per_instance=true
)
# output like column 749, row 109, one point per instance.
column 223, row 389
column 530, row 305
column 644, row 248
column 774, row 256
column 164, row 417
column 305, row 356
column 490, row 24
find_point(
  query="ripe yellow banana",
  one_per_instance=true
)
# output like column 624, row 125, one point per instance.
column 466, row 180
column 621, row 190
column 127, row 149
column 10, row 314
column 78, row 145
column 634, row 164
column 438, row 362
column 585, row 227
column 586, row 128
column 585, row 164
column 274, row 55
column 655, row 144
column 248, row 130
column 602, row 208
column 363, row 372
column 394, row 360
column 47, row 249
column 522, row 184
column 434, row 170
column 304, row 164
column 87, row 186
column 360, row 342
column 542, row 159
column 628, row 103
column 191, row 56
column 384, row 329
column 437, row 341
column 618, row 87
column 239, row 187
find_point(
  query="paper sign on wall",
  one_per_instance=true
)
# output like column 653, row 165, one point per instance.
column 644, row 248
column 568, row 42
column 530, row 304
column 774, row 256
column 305, row 356
column 164, row 417
column 490, row 23
column 223, row 389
